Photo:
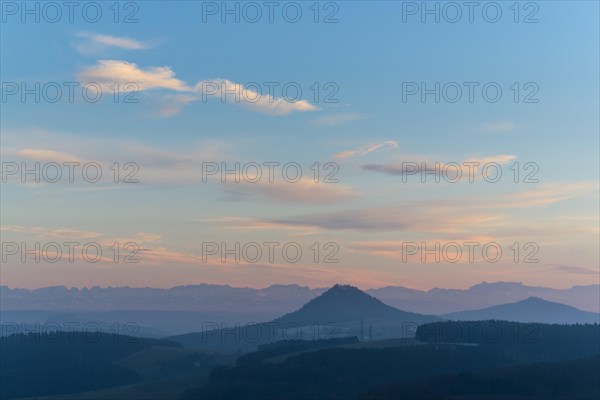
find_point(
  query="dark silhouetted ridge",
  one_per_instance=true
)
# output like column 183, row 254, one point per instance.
column 532, row 309
column 344, row 303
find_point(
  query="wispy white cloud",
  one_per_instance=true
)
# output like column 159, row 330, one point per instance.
column 501, row 159
column 173, row 104
column 109, row 72
column 156, row 165
column 336, row 119
column 232, row 92
column 47, row 155
column 96, row 43
column 366, row 149
column 173, row 167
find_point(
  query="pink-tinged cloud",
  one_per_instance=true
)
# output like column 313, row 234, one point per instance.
column 109, row 72
column 459, row 250
column 552, row 193
column 47, row 155
column 48, row 232
column 388, row 219
column 306, row 190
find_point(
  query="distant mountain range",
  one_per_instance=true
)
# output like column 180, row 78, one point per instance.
column 341, row 311
column 274, row 300
column 154, row 312
column 265, row 304
column 344, row 309
column 532, row 309
column 442, row 301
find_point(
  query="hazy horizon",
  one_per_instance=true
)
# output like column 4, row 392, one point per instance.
column 306, row 286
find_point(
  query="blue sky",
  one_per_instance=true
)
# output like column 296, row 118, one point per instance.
column 368, row 56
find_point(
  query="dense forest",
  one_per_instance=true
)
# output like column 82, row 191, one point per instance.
column 66, row 362
column 519, row 342
column 579, row 379
column 355, row 372
column 458, row 360
column 283, row 347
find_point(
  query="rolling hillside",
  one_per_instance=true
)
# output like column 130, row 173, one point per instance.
column 339, row 312
column 532, row 309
